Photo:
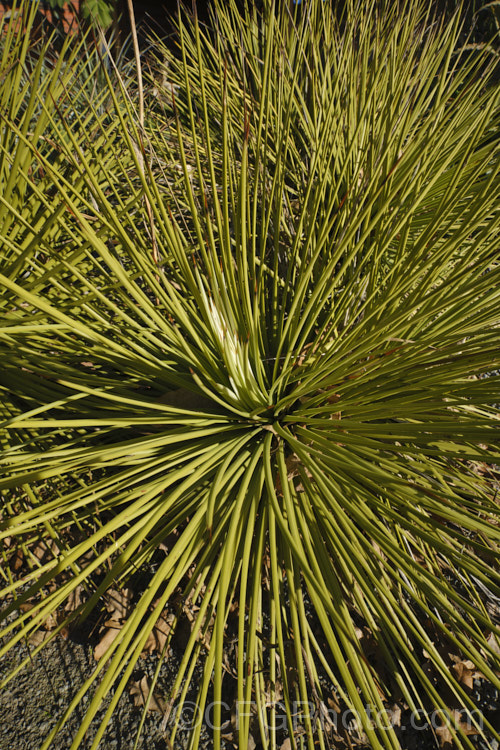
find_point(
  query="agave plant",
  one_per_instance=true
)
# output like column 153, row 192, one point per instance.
column 247, row 339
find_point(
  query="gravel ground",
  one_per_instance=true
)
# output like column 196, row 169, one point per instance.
column 32, row 703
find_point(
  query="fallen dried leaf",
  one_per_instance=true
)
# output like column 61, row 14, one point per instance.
column 51, row 621
column 445, row 737
column 106, row 641
column 444, row 734
column 158, row 637
column 45, row 551
column 394, row 714
column 38, row 637
column 465, row 672
column 140, row 691
column 74, row 599
column 493, row 643
column 17, row 560
column 118, row 605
